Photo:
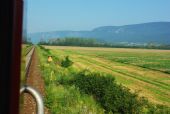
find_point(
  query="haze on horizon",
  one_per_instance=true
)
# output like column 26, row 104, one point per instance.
column 52, row 15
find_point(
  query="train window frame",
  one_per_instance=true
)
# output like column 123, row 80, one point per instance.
column 10, row 51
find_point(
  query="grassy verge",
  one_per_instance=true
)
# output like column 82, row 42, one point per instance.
column 61, row 98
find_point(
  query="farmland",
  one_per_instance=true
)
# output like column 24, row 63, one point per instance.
column 126, row 65
column 143, row 71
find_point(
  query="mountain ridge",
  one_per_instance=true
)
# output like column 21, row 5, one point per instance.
column 157, row 32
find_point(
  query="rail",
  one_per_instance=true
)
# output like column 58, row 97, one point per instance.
column 28, row 60
column 36, row 96
column 27, row 50
column 30, row 90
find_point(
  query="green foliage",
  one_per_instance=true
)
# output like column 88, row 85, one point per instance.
column 45, row 49
column 62, row 97
column 66, row 62
column 46, row 53
column 68, row 100
column 73, row 92
column 157, row 109
column 112, row 97
column 92, row 42
column 73, row 42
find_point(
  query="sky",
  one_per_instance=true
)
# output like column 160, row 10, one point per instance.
column 53, row 15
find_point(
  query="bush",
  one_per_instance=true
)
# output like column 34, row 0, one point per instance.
column 111, row 96
column 66, row 62
column 158, row 109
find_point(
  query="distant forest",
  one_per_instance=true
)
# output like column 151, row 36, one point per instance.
column 91, row 42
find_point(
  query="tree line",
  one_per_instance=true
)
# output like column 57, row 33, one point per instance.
column 91, row 42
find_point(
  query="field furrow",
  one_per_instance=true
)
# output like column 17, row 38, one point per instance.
column 153, row 84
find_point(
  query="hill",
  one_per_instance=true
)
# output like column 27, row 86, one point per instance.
column 156, row 32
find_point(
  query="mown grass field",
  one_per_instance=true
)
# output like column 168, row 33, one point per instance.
column 142, row 70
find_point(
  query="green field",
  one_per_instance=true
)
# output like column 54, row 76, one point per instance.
column 146, row 71
column 138, row 70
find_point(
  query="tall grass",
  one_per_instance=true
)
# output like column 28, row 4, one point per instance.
column 62, row 98
column 151, row 83
column 71, row 92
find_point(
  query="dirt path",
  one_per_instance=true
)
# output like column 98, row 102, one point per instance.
column 35, row 80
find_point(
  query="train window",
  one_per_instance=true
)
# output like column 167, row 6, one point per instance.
column 96, row 57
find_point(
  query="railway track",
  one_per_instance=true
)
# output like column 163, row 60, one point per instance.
column 28, row 55
column 27, row 50
column 34, row 85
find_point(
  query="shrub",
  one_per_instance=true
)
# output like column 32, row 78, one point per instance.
column 158, row 109
column 66, row 62
column 111, row 96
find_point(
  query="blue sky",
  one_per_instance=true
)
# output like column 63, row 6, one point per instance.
column 51, row 15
